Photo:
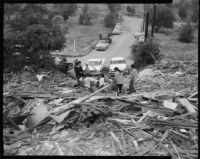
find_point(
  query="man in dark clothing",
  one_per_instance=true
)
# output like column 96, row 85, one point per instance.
column 79, row 72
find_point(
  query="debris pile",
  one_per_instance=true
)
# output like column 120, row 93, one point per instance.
column 53, row 118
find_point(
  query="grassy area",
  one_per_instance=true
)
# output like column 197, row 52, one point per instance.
column 172, row 49
column 84, row 36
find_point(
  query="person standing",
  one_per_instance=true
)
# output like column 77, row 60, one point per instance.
column 132, row 78
column 79, row 72
column 119, row 78
column 87, row 70
column 75, row 61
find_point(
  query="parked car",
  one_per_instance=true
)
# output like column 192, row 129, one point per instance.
column 137, row 35
column 118, row 25
column 95, row 65
column 141, row 39
column 117, row 62
column 102, row 44
column 116, row 31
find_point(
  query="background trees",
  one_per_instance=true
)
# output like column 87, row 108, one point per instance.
column 29, row 33
column 111, row 18
column 164, row 17
column 130, row 10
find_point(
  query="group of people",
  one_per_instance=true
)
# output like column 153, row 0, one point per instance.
column 118, row 79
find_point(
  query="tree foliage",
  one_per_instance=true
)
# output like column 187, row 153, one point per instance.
column 195, row 11
column 186, row 33
column 65, row 10
column 110, row 20
column 144, row 53
column 182, row 11
column 29, row 32
column 164, row 17
column 130, row 10
column 86, row 17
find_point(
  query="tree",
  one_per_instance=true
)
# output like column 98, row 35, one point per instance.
column 110, row 20
column 186, row 33
column 65, row 10
column 130, row 10
column 182, row 11
column 114, row 8
column 195, row 11
column 164, row 17
column 85, row 18
column 31, row 34
column 145, row 53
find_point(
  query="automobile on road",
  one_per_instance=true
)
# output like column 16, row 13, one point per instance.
column 116, row 31
column 102, row 45
column 117, row 62
column 138, row 34
column 95, row 65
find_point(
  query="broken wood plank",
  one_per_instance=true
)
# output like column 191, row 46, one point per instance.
column 184, row 102
column 62, row 116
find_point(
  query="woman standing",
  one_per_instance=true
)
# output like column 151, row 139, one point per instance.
column 119, row 79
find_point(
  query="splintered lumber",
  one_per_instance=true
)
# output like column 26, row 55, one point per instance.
column 149, row 107
column 187, row 105
column 62, row 116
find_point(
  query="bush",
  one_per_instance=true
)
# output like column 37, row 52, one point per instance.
column 85, row 18
column 130, row 10
column 186, row 33
column 144, row 53
column 164, row 17
column 110, row 20
column 182, row 12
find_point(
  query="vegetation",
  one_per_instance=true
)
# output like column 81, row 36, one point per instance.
column 145, row 53
column 182, row 11
column 130, row 10
column 29, row 33
column 164, row 17
column 195, row 11
column 86, row 16
column 110, row 20
column 65, row 10
column 186, row 33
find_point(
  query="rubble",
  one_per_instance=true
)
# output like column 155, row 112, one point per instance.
column 51, row 117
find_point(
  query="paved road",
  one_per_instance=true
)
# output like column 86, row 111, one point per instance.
column 120, row 46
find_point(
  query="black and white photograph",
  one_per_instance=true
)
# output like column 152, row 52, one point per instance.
column 100, row 79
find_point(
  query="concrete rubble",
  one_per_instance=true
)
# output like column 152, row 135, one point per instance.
column 51, row 117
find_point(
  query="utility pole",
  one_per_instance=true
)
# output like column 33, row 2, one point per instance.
column 146, row 29
column 153, row 23
column 143, row 19
column 74, row 47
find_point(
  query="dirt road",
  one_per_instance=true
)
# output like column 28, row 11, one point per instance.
column 120, row 46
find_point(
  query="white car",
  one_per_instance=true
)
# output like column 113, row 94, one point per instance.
column 116, row 31
column 141, row 39
column 118, row 25
column 117, row 62
column 102, row 45
column 95, row 65
column 137, row 35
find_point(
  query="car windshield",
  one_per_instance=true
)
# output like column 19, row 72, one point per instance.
column 117, row 62
column 94, row 63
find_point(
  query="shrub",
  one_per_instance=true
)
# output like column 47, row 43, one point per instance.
column 164, row 17
column 145, row 53
column 130, row 10
column 186, row 33
column 110, row 20
column 182, row 12
column 85, row 18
